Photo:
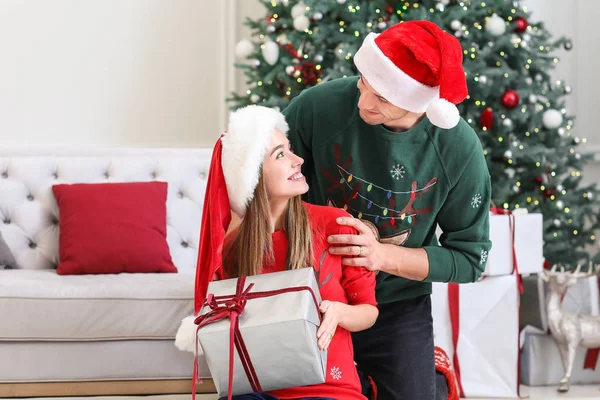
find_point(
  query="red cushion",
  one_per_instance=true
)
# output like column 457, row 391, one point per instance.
column 108, row 228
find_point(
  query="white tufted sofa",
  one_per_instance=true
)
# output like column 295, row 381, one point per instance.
column 93, row 327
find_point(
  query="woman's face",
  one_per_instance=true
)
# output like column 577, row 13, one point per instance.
column 281, row 170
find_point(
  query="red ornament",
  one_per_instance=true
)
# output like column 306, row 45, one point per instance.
column 487, row 118
column 547, row 264
column 310, row 73
column 389, row 9
column 521, row 24
column 549, row 192
column 510, row 99
column 290, row 49
column 539, row 180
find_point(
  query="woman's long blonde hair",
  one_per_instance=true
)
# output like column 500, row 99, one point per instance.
column 253, row 244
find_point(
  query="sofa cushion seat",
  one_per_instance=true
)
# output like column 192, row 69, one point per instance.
column 40, row 305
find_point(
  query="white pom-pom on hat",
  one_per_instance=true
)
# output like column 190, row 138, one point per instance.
column 185, row 339
column 442, row 113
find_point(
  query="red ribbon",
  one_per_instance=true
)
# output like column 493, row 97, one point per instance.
column 511, row 225
column 591, row 355
column 454, row 305
column 231, row 307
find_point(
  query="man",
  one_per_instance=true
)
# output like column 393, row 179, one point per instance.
column 391, row 149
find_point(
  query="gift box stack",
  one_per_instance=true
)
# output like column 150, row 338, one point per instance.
column 477, row 324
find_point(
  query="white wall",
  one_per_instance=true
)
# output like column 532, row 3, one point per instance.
column 113, row 72
column 157, row 72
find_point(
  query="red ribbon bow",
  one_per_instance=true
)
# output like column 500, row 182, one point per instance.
column 232, row 307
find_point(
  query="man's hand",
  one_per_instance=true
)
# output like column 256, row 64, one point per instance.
column 331, row 318
column 362, row 250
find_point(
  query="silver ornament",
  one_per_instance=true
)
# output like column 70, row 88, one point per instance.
column 381, row 25
column 341, row 1
column 539, row 78
column 256, row 63
column 532, row 98
column 440, row 7
column 590, row 195
column 560, row 204
column 317, row 16
column 507, row 122
column 456, row 24
column 576, row 140
column 495, row 25
column 255, row 98
column 483, row 79
column 289, row 69
column 270, row 29
column 528, row 80
column 560, row 188
column 556, row 223
column 577, row 156
column 508, row 154
column 458, row 34
column 298, row 10
column 568, row 89
column 445, row 2
column 516, row 189
column 319, row 58
column 561, row 131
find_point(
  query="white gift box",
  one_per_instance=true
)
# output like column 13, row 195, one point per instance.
column 488, row 335
column 528, row 243
column 541, row 364
column 581, row 298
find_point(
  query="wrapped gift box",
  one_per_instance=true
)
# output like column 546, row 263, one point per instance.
column 581, row 298
column 528, row 243
column 279, row 332
column 541, row 364
column 487, row 348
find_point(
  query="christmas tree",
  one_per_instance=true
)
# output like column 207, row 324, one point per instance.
column 514, row 105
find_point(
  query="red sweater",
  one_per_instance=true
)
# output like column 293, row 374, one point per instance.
column 344, row 284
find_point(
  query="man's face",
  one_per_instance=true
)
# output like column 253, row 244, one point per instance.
column 374, row 109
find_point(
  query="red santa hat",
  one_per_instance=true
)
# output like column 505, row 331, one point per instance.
column 416, row 66
column 233, row 175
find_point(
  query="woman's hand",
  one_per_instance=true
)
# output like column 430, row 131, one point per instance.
column 332, row 311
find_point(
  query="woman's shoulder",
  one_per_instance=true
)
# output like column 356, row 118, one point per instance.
column 324, row 218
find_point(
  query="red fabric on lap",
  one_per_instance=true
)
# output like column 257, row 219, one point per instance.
column 109, row 228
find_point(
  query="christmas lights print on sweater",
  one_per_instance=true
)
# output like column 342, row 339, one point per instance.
column 360, row 196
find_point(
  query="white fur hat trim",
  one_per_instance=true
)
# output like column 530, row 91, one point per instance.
column 244, row 146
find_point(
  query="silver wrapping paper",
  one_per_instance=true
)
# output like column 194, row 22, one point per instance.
column 541, row 364
column 280, row 333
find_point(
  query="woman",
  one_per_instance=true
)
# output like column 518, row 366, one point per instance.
column 278, row 231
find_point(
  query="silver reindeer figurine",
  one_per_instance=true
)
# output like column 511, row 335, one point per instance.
column 570, row 330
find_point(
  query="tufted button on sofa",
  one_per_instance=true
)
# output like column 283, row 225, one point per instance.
column 94, row 327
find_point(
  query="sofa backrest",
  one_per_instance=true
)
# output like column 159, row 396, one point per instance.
column 29, row 213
